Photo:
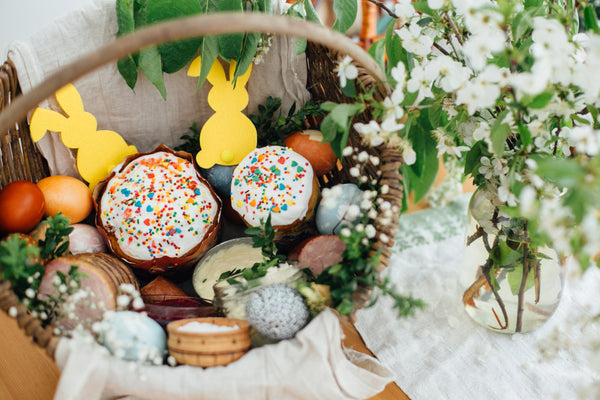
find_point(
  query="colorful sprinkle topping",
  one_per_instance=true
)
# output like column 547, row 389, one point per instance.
column 157, row 207
column 272, row 179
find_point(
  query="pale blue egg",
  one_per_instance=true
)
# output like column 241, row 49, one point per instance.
column 133, row 336
column 339, row 207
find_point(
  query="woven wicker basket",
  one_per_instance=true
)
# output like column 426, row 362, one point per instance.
column 19, row 158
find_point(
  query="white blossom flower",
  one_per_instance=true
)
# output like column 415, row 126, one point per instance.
column 486, row 168
column 345, row 232
column 370, row 231
column 414, row 41
column 29, row 292
column 12, row 311
column 585, row 139
column 404, row 10
column 346, row 70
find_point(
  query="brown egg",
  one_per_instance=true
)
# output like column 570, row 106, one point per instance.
column 309, row 145
column 66, row 195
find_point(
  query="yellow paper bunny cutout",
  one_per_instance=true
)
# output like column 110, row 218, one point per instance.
column 98, row 151
column 228, row 135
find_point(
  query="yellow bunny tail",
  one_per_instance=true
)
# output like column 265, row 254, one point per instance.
column 44, row 120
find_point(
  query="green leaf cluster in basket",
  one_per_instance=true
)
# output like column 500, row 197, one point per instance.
column 22, row 260
column 508, row 89
column 241, row 48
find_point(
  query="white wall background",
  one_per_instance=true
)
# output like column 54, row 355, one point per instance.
column 21, row 18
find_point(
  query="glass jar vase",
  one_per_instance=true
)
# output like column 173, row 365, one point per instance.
column 509, row 284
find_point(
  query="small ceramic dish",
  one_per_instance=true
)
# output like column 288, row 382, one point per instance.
column 167, row 308
column 208, row 349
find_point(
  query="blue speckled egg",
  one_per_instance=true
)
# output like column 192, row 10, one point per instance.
column 339, row 207
column 219, row 177
column 133, row 336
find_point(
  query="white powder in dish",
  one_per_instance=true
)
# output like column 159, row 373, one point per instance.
column 205, row 327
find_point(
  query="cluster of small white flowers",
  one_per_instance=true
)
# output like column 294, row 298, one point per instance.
column 264, row 45
column 129, row 297
column 446, row 145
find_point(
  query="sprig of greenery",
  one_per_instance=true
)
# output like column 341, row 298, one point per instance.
column 21, row 264
column 191, row 141
column 262, row 236
column 56, row 240
column 272, row 127
column 357, row 270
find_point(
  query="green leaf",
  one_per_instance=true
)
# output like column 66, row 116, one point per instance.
column 174, row 55
column 524, row 134
column 498, row 133
column 345, row 11
column 562, row 172
column 590, row 20
column 210, row 52
column 422, row 7
column 504, row 256
column 127, row 66
column 541, row 100
column 311, row 13
column 336, row 126
column 423, row 172
column 514, row 277
column 128, row 70
column 300, row 46
column 343, row 113
column 248, row 52
column 377, row 51
column 151, row 66
column 231, row 44
column 394, row 51
column 594, row 113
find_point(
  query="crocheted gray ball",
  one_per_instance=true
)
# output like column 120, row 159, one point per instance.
column 277, row 311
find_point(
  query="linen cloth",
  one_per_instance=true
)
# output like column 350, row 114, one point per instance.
column 440, row 353
column 140, row 116
column 313, row 365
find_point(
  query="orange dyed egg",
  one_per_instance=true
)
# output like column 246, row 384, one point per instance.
column 67, row 195
column 310, row 145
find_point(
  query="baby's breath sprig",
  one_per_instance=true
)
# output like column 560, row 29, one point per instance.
column 357, row 271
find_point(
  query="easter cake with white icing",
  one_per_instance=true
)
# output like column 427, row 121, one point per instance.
column 157, row 212
column 275, row 180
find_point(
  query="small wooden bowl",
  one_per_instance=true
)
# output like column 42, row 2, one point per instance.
column 208, row 349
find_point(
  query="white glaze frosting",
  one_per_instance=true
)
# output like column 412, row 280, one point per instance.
column 157, row 207
column 272, row 179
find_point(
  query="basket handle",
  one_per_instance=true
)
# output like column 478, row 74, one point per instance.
column 199, row 25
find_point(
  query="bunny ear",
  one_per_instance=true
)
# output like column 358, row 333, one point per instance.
column 44, row 120
column 216, row 76
column 194, row 69
column 69, row 100
column 242, row 79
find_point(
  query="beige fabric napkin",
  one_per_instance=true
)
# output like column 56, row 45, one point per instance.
column 311, row 366
column 141, row 117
